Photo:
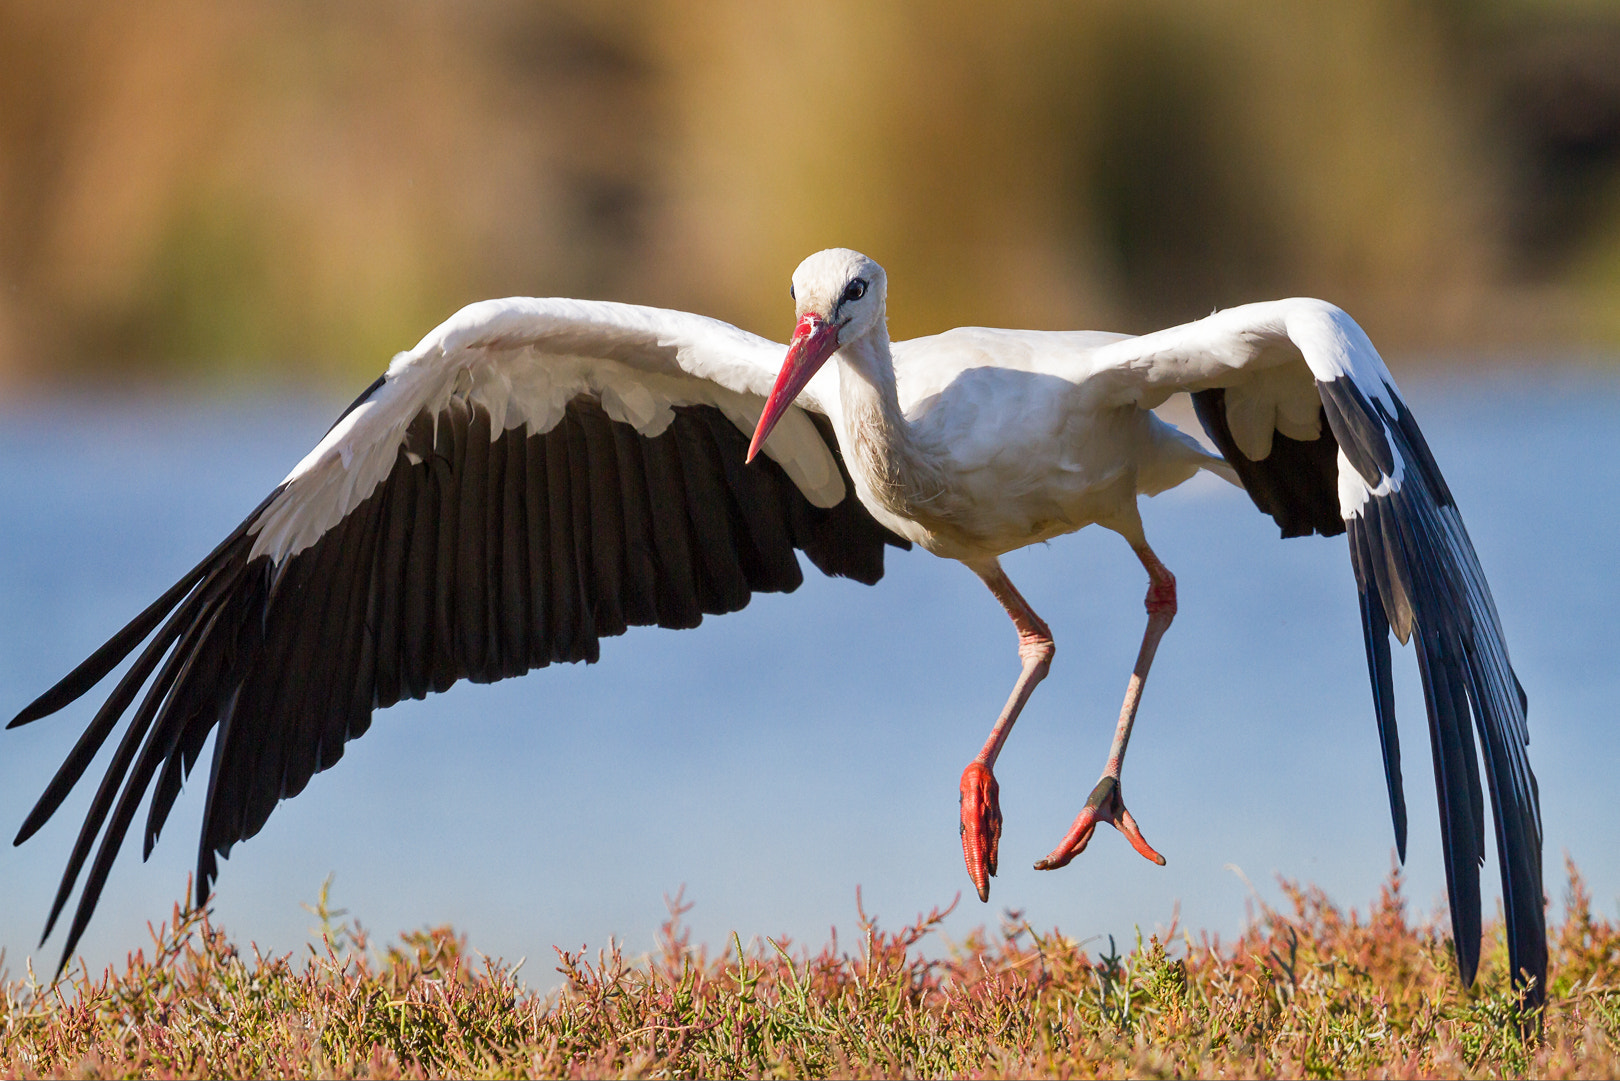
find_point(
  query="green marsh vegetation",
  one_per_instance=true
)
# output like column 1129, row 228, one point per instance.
column 1314, row 991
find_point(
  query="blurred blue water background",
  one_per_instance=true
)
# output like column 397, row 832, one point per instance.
column 774, row 760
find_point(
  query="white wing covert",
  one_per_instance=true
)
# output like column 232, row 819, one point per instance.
column 1299, row 402
column 534, row 476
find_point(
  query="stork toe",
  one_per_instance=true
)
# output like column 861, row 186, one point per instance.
column 981, row 824
column 1105, row 804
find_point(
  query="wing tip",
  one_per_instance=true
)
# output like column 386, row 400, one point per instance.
column 1412, row 557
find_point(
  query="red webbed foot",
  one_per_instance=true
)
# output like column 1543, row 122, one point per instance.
column 1105, row 804
column 981, row 825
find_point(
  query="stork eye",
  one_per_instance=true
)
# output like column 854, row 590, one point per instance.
column 855, row 290
column 791, row 294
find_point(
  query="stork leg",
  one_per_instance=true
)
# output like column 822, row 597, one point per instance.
column 981, row 796
column 1106, row 802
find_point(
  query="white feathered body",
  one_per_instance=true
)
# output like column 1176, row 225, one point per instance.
column 1003, row 439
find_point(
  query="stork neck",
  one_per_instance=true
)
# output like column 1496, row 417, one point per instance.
column 880, row 446
column 866, row 386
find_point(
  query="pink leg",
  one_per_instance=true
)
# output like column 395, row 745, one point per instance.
column 980, row 799
column 1106, row 803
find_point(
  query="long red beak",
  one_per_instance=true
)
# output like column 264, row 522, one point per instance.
column 814, row 340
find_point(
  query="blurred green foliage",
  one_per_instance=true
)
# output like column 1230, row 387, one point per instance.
column 301, row 188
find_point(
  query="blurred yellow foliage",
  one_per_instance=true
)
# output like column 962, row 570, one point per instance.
column 300, row 187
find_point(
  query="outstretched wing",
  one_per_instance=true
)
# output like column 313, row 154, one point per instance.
column 534, row 476
column 1299, row 402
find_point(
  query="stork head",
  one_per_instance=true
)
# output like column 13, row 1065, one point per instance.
column 838, row 298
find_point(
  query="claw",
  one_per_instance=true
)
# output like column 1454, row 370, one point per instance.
column 1105, row 804
column 981, row 824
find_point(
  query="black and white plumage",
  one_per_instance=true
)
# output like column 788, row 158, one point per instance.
column 1418, row 576
column 538, row 474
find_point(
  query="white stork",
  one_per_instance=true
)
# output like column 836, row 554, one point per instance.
column 538, row 474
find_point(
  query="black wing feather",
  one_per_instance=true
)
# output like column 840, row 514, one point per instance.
column 724, row 586
column 641, row 582
column 449, row 447
column 469, row 595
column 568, row 639
column 592, row 445
column 1375, row 632
column 674, row 561
column 1297, row 483
column 515, row 607
column 582, row 569
column 765, row 545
